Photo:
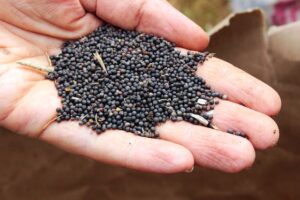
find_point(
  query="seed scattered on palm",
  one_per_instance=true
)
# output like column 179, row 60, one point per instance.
column 119, row 79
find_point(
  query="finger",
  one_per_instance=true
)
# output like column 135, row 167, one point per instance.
column 240, row 86
column 37, row 109
column 120, row 148
column 150, row 16
column 210, row 148
column 261, row 130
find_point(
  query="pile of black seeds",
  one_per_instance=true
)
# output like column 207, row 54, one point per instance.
column 119, row 79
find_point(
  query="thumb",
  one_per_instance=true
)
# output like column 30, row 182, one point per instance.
column 151, row 16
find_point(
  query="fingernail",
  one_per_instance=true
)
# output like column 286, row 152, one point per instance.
column 190, row 170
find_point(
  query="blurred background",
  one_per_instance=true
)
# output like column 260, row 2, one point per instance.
column 208, row 13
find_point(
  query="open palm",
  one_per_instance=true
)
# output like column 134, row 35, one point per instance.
column 31, row 29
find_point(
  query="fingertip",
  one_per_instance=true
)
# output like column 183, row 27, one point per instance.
column 271, row 137
column 243, row 156
column 272, row 102
column 189, row 35
column 204, row 40
column 198, row 41
column 180, row 160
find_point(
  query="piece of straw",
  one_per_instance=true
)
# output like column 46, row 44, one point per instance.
column 100, row 61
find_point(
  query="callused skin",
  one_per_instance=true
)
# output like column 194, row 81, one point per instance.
column 32, row 28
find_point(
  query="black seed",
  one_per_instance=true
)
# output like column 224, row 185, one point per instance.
column 142, row 81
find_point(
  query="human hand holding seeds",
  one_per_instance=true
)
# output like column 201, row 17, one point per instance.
column 32, row 29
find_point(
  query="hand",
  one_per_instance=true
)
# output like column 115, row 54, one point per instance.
column 31, row 28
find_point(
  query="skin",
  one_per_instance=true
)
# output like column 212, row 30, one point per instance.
column 30, row 29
